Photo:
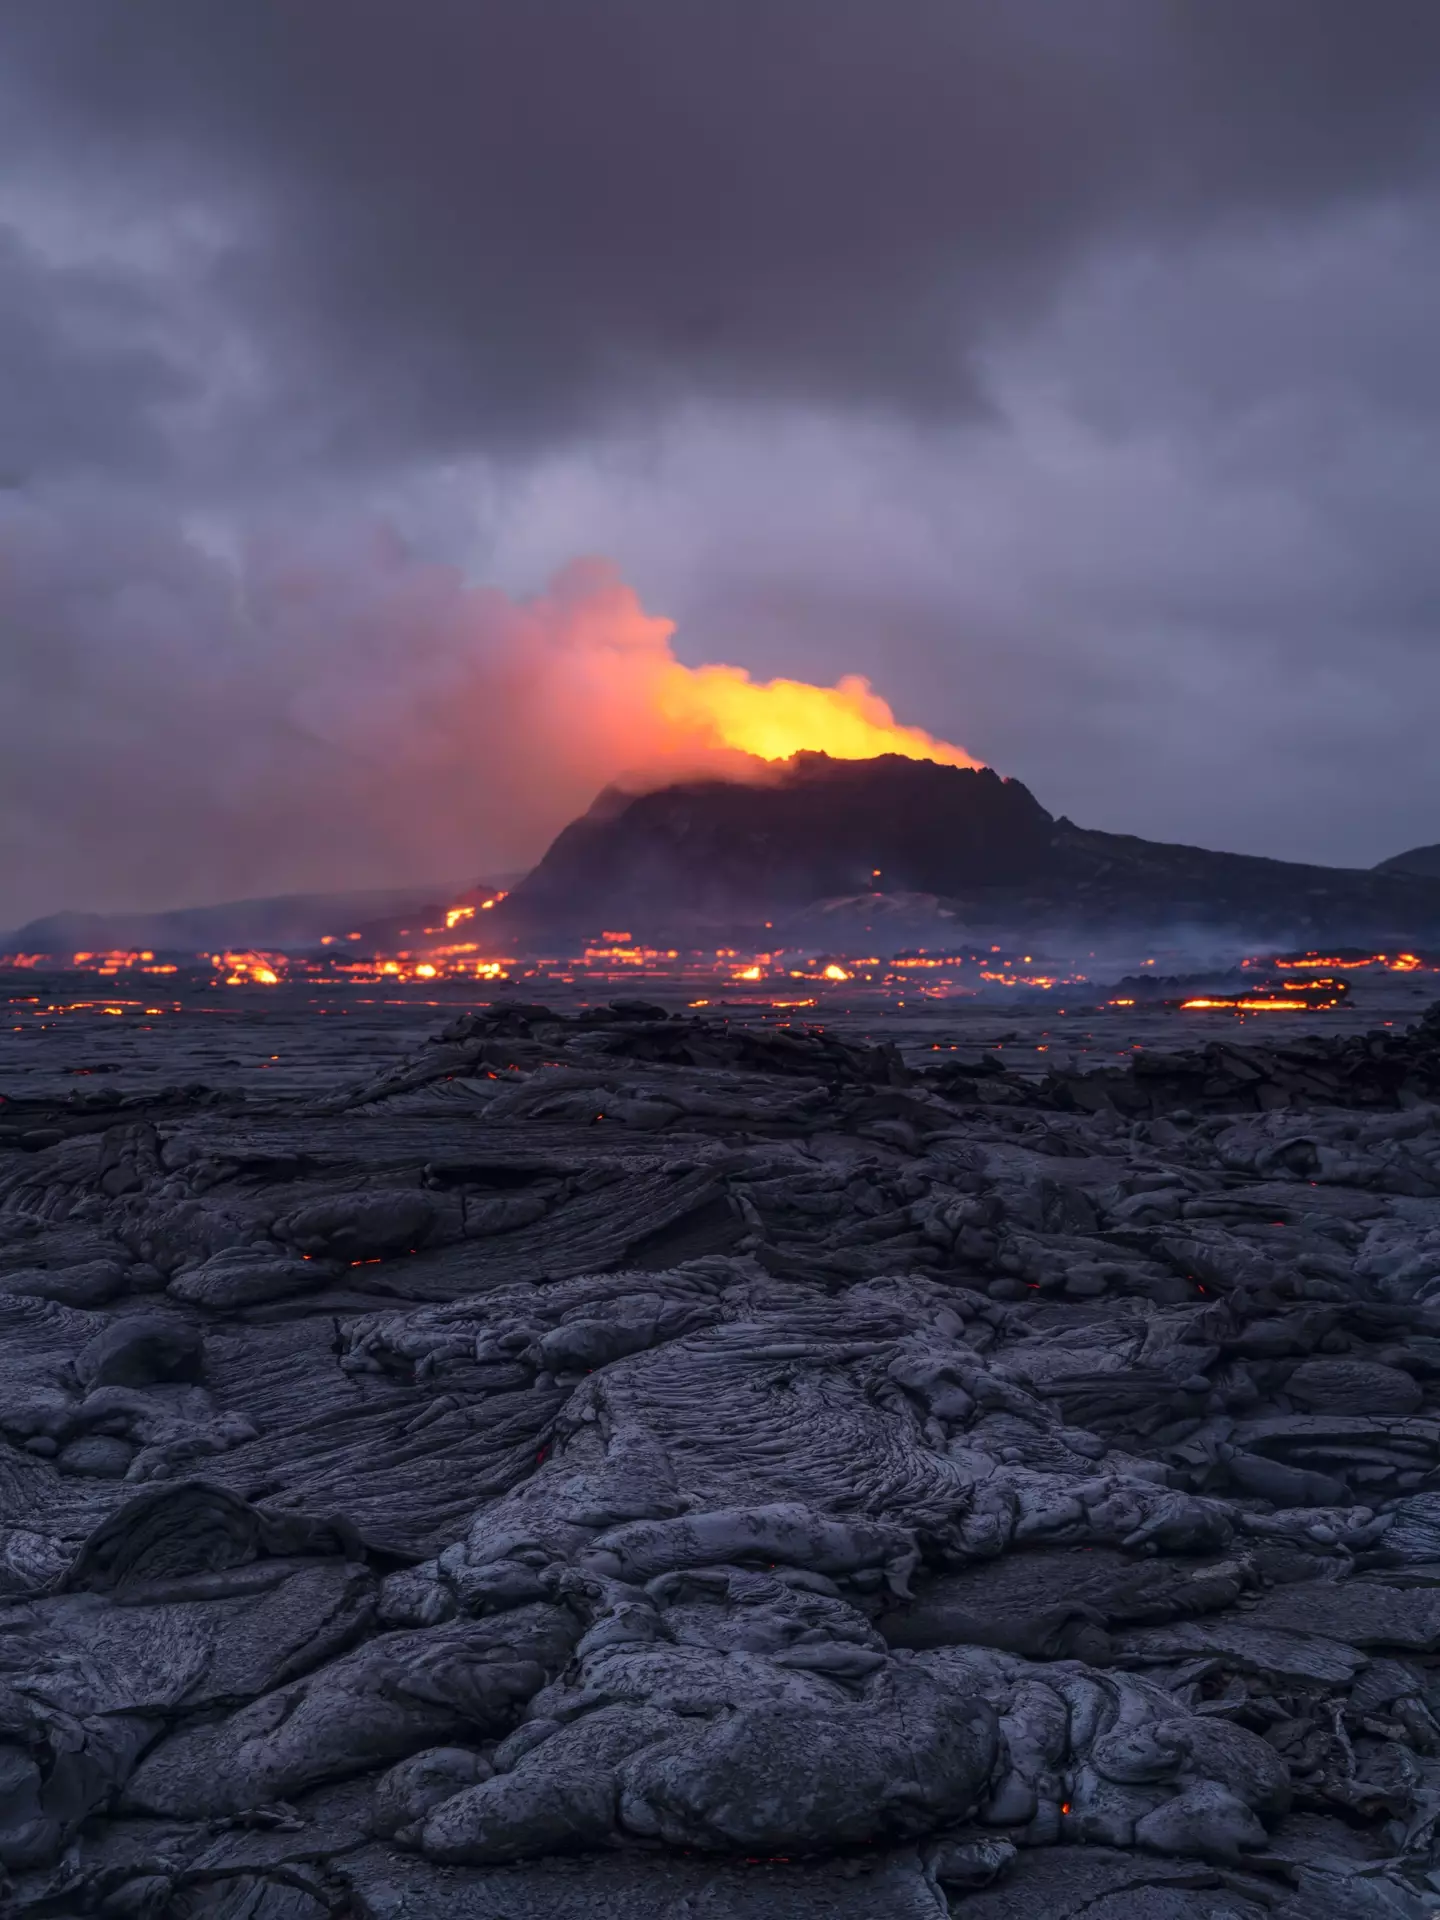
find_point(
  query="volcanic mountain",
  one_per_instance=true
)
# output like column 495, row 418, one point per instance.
column 978, row 848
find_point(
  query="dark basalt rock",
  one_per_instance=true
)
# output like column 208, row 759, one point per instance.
column 629, row 1463
column 140, row 1351
column 186, row 1531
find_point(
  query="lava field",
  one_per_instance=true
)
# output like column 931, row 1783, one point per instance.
column 656, row 1464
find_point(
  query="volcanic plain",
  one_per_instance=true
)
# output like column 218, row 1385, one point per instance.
column 498, row 1460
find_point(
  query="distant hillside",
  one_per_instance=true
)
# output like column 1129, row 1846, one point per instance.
column 291, row 921
column 1424, row 861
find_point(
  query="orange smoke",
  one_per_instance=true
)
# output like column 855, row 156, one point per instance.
column 613, row 678
column 367, row 715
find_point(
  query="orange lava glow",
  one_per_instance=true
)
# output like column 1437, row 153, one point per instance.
column 115, row 960
column 1241, row 1005
column 251, row 969
column 774, row 719
column 617, row 958
column 1314, row 962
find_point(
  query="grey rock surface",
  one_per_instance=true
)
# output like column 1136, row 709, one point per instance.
column 630, row 1464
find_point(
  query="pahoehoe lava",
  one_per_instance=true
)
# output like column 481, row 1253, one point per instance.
column 622, row 1463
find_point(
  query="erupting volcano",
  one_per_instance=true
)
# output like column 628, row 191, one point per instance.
column 728, row 807
column 829, row 836
column 592, row 681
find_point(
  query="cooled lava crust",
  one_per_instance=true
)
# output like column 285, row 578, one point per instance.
column 628, row 1465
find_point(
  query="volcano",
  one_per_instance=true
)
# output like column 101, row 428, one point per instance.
column 815, row 828
column 816, row 833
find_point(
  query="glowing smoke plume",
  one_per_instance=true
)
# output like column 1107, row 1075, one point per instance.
column 177, row 727
column 623, row 659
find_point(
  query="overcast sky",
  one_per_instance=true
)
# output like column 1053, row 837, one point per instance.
column 1066, row 366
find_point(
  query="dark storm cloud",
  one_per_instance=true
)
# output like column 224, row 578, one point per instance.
column 456, row 221
column 1065, row 365
column 83, row 381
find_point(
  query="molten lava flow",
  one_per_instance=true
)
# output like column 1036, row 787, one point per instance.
column 250, row 969
column 1351, row 962
column 1246, row 1006
column 773, row 719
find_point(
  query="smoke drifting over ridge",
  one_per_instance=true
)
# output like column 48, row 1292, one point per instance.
column 337, row 712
